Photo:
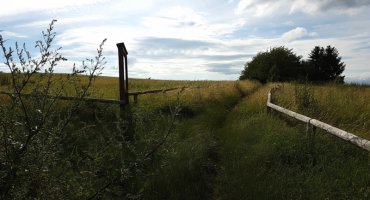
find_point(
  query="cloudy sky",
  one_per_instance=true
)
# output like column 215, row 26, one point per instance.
column 193, row 39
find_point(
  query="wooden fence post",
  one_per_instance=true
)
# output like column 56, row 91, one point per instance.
column 354, row 139
column 311, row 133
column 123, row 92
column 269, row 110
column 123, row 74
column 270, row 98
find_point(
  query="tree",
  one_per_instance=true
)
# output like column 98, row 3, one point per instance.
column 258, row 68
column 325, row 64
column 278, row 64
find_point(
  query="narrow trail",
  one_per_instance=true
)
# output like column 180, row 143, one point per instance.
column 213, row 164
column 193, row 162
column 234, row 149
column 263, row 156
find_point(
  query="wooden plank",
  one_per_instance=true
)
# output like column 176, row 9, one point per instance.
column 161, row 90
column 154, row 91
column 354, row 139
column 289, row 112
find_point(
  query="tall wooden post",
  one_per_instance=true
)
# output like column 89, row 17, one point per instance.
column 125, row 112
column 311, row 132
column 123, row 73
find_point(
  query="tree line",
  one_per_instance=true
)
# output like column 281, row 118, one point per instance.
column 281, row 64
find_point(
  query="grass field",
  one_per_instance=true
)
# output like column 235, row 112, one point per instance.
column 344, row 106
column 216, row 142
column 268, row 157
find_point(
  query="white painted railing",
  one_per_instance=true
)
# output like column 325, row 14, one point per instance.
column 364, row 144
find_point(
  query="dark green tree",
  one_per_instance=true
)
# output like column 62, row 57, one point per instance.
column 258, row 68
column 325, row 64
column 278, row 64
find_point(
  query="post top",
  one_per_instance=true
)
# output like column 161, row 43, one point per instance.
column 123, row 47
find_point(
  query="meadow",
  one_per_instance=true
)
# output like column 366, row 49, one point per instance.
column 345, row 106
column 213, row 142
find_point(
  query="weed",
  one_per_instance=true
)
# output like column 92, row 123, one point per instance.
column 305, row 98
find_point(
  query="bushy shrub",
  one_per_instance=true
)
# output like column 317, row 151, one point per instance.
column 40, row 135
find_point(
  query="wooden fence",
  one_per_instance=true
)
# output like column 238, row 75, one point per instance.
column 313, row 123
column 123, row 85
column 111, row 101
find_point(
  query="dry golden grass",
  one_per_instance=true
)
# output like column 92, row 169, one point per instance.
column 198, row 93
column 344, row 106
column 210, row 91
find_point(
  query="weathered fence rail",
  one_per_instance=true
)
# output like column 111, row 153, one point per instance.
column 123, row 85
column 111, row 101
column 155, row 91
column 358, row 141
column 70, row 98
column 136, row 94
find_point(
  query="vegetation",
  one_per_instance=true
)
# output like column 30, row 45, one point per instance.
column 345, row 106
column 34, row 131
column 325, row 65
column 268, row 156
column 281, row 64
column 213, row 142
column 278, row 64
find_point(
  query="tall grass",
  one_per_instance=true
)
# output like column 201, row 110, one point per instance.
column 264, row 156
column 344, row 106
column 184, row 166
column 221, row 145
column 188, row 166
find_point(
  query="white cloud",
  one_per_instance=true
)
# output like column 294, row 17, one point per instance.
column 304, row 6
column 321, row 6
column 242, row 6
column 186, row 23
column 312, row 7
column 16, row 7
column 193, row 40
column 3, row 67
column 294, row 34
column 176, row 22
column 260, row 8
column 174, row 63
column 64, row 21
column 12, row 34
column 91, row 36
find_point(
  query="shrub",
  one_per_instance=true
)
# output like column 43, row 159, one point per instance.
column 40, row 148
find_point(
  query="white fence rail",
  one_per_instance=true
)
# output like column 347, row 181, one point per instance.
column 364, row 144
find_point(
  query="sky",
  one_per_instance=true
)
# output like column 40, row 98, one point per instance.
column 192, row 39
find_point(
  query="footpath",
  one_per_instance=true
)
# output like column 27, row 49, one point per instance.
column 263, row 155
